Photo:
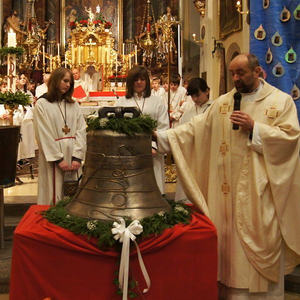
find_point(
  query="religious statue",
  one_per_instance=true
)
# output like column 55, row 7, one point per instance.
column 90, row 13
column 13, row 23
column 165, row 31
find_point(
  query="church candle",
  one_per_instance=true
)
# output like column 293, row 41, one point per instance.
column 99, row 55
column 135, row 53
column 58, row 52
column 116, row 66
column 73, row 54
column 129, row 58
column 11, row 39
column 50, row 63
column 123, row 52
column 43, row 56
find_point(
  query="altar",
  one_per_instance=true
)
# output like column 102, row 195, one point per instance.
column 49, row 261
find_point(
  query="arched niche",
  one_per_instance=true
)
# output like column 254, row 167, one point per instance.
column 232, row 51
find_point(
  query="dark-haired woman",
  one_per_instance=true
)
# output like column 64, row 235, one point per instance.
column 138, row 94
column 61, row 134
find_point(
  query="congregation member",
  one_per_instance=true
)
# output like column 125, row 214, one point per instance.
column 23, row 116
column 80, row 87
column 43, row 88
column 198, row 90
column 157, row 89
column 177, row 97
column 245, row 175
column 61, row 134
column 138, row 94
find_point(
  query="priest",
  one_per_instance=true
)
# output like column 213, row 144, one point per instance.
column 80, row 87
column 242, row 169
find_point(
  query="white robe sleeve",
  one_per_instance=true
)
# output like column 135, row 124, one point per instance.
column 80, row 135
column 45, row 134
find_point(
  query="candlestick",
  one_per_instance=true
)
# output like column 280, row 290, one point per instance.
column 79, row 55
column 51, row 63
column 129, row 58
column 43, row 56
column 73, row 54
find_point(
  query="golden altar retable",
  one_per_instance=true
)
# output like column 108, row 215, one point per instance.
column 92, row 44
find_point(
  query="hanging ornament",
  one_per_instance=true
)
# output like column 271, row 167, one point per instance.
column 266, row 3
column 276, row 39
column 285, row 15
column 297, row 12
column 269, row 56
column 295, row 92
column 291, row 56
column 260, row 33
column 278, row 70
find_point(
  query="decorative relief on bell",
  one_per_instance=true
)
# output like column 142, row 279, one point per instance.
column 118, row 178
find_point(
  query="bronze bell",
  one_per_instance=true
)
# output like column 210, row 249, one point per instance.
column 118, row 178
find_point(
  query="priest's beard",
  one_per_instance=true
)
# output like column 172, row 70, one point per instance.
column 243, row 87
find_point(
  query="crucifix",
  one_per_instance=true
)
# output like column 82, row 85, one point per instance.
column 91, row 52
column 66, row 129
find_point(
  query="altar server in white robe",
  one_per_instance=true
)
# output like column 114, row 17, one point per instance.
column 81, row 90
column 61, row 134
column 198, row 90
column 23, row 116
column 138, row 94
column 246, row 180
column 42, row 88
column 157, row 89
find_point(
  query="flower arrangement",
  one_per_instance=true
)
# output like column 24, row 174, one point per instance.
column 97, row 22
column 11, row 99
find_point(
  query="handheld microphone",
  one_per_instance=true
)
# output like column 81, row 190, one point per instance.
column 236, row 106
column 115, row 94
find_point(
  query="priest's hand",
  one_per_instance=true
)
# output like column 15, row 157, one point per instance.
column 75, row 165
column 242, row 119
column 63, row 165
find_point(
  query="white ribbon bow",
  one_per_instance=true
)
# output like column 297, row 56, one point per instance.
column 124, row 235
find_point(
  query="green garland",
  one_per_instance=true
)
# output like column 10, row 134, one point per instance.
column 11, row 99
column 11, row 50
column 129, row 126
column 101, row 230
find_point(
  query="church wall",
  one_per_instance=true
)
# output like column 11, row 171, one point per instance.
column 210, row 64
column 191, row 49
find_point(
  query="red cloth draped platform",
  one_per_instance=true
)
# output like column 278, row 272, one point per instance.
column 49, row 261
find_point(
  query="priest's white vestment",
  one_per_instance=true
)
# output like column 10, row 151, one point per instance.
column 54, row 144
column 156, row 109
column 251, row 193
column 191, row 110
